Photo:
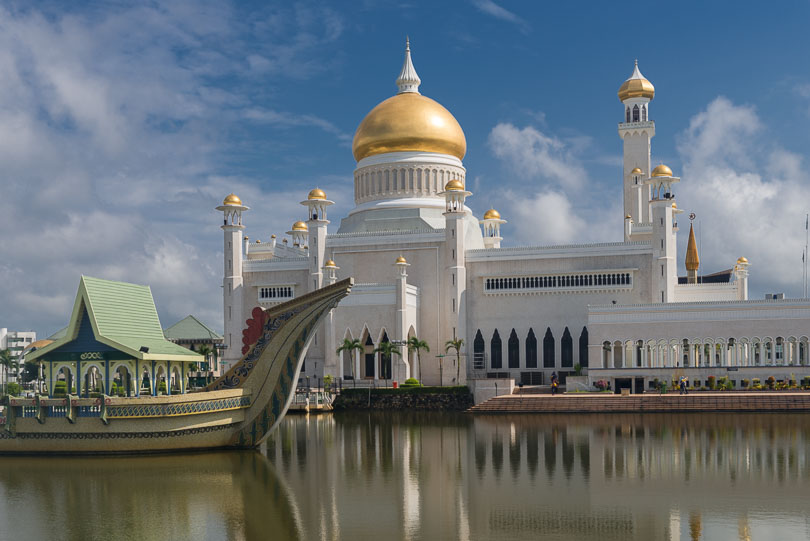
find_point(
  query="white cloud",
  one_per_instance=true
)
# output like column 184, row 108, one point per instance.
column 750, row 197
column 491, row 8
column 545, row 218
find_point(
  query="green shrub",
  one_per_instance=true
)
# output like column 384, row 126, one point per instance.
column 162, row 387
column 806, row 381
column 745, row 383
column 771, row 382
column 327, row 382
column 411, row 382
column 461, row 389
column 13, row 389
column 712, row 383
column 60, row 388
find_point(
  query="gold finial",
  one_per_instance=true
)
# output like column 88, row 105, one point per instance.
column 692, row 259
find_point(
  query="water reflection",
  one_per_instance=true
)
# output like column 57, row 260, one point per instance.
column 428, row 476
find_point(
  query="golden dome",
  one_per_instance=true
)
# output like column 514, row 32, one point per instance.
column 454, row 185
column 233, row 200
column 674, row 206
column 492, row 214
column 628, row 217
column 637, row 86
column 401, row 260
column 317, row 193
column 662, row 171
column 330, row 264
column 636, row 171
column 300, row 226
column 742, row 260
column 409, row 122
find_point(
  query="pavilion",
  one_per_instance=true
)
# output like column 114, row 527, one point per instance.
column 114, row 336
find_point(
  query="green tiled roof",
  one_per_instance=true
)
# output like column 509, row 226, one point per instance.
column 123, row 316
column 191, row 328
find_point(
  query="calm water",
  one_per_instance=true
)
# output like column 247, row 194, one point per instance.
column 401, row 476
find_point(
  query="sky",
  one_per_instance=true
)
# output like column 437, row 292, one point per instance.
column 123, row 124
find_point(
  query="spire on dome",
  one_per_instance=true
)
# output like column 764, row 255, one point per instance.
column 408, row 80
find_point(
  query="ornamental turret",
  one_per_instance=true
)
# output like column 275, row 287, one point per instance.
column 232, row 282
column 492, row 228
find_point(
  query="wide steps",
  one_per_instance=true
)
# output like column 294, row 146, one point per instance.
column 738, row 402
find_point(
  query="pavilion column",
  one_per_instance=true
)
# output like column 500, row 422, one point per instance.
column 169, row 378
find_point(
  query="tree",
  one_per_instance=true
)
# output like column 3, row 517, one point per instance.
column 350, row 346
column 415, row 344
column 456, row 344
column 6, row 362
column 206, row 351
column 387, row 349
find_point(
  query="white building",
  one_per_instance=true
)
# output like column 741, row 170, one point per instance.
column 425, row 266
column 15, row 342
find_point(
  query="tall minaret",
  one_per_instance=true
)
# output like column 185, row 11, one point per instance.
column 692, row 259
column 316, row 204
column 636, row 131
column 232, row 290
column 456, row 272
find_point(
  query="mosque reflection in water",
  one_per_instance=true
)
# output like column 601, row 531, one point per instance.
column 567, row 477
column 417, row 476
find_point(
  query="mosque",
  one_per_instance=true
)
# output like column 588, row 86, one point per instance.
column 425, row 266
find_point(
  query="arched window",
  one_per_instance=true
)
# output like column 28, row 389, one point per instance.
column 478, row 351
column 583, row 348
column 635, row 113
column 567, row 349
column 548, row 349
column 644, row 113
column 531, row 350
column 627, row 114
column 514, row 350
column 495, row 353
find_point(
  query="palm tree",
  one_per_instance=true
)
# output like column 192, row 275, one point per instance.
column 350, row 346
column 414, row 344
column 387, row 349
column 6, row 362
column 206, row 351
column 456, row 344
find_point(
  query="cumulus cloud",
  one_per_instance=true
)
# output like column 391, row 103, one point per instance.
column 750, row 196
column 112, row 124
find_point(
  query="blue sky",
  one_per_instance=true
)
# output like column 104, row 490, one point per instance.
column 122, row 124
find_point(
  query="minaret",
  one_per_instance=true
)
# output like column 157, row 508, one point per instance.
column 492, row 228
column 741, row 276
column 663, row 240
column 316, row 204
column 456, row 271
column 636, row 131
column 692, row 259
column 331, row 361
column 232, row 291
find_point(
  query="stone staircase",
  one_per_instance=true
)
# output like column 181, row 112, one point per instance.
column 532, row 390
column 610, row 403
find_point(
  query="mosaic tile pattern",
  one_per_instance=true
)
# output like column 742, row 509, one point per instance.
column 183, row 408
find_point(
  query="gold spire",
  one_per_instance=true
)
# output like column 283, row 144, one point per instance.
column 692, row 259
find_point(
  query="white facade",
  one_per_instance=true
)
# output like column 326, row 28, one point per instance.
column 523, row 311
column 15, row 342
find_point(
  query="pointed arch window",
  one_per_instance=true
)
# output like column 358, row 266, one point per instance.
column 627, row 114
column 567, row 349
column 548, row 349
column 478, row 351
column 385, row 360
column 496, row 353
column 531, row 350
column 514, row 350
column 635, row 113
column 644, row 113
column 583, row 348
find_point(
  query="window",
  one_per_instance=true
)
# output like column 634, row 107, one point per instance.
column 275, row 293
column 495, row 353
column 478, row 351
column 567, row 349
column 531, row 350
column 635, row 113
column 627, row 115
column 583, row 347
column 514, row 350
column 548, row 349
column 644, row 113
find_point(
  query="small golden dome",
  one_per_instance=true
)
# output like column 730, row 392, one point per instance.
column 628, row 217
column 454, row 185
column 317, row 193
column 232, row 200
column 409, row 122
column 674, row 206
column 330, row 264
column 662, row 171
column 742, row 260
column 636, row 171
column 637, row 86
column 272, row 236
column 300, row 226
column 258, row 241
column 492, row 214
column 401, row 260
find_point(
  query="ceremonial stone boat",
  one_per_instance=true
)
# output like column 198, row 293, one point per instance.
column 239, row 410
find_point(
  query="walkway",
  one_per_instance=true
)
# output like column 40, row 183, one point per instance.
column 610, row 403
